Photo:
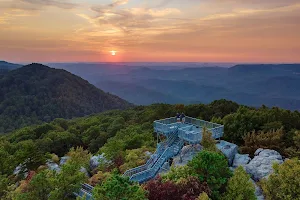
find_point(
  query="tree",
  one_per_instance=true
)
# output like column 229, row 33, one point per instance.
column 186, row 189
column 159, row 190
column 212, row 168
column 284, row 182
column 176, row 174
column 238, row 124
column 79, row 156
column 239, row 186
column 4, row 182
column 134, row 158
column 117, row 187
column 29, row 155
column 68, row 180
column 191, row 187
column 39, row 187
column 294, row 151
column 203, row 196
column 265, row 140
column 208, row 142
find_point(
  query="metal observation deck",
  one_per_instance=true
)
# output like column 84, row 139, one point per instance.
column 177, row 133
column 190, row 130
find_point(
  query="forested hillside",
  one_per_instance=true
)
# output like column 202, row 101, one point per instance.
column 125, row 136
column 36, row 93
column 247, row 84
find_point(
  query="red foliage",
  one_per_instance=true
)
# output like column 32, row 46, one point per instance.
column 30, row 176
column 192, row 188
column 162, row 191
column 118, row 161
column 188, row 189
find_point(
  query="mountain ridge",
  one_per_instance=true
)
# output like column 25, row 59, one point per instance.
column 36, row 93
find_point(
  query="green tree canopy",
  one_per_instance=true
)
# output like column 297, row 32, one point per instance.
column 239, row 186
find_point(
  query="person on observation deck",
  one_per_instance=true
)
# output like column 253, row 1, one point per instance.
column 178, row 117
column 182, row 117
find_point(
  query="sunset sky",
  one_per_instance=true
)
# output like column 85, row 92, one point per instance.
column 150, row 30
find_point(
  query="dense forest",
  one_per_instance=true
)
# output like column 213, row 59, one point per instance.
column 125, row 136
column 36, row 93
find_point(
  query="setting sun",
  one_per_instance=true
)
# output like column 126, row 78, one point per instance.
column 113, row 53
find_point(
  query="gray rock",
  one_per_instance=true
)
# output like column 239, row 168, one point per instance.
column 63, row 160
column 52, row 166
column 240, row 159
column 258, row 192
column 164, row 169
column 258, row 151
column 148, row 153
column 186, row 154
column 84, row 170
column 17, row 170
column 228, row 149
column 96, row 160
column 261, row 166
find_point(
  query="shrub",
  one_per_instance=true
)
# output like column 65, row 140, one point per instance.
column 265, row 140
column 55, row 158
column 240, row 186
column 284, row 182
column 159, row 190
column 176, row 174
column 117, row 187
column 186, row 189
column 294, row 151
column 211, row 167
column 203, row 196
column 208, row 142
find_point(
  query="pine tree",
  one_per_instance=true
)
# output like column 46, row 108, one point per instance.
column 208, row 142
column 240, row 186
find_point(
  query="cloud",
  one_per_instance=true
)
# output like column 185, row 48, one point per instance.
column 56, row 3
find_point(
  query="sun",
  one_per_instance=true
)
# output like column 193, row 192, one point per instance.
column 113, row 53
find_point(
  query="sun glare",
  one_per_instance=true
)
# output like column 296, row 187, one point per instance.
column 113, row 53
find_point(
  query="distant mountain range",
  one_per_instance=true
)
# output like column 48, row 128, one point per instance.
column 6, row 66
column 37, row 93
column 250, row 84
column 144, row 83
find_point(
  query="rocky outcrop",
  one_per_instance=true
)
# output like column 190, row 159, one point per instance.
column 186, row 154
column 262, row 164
column 240, row 160
column 84, row 170
column 96, row 160
column 228, row 149
column 258, row 192
column 63, row 160
column 164, row 169
column 52, row 166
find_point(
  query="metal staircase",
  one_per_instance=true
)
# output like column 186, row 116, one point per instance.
column 174, row 146
column 85, row 192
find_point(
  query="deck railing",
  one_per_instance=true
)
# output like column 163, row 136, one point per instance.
column 170, row 125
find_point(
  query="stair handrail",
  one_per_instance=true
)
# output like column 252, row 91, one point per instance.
column 151, row 161
column 152, row 173
column 169, row 152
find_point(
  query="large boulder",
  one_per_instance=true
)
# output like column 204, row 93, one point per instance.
column 240, row 159
column 52, row 166
column 258, row 192
column 186, row 154
column 165, row 168
column 262, row 164
column 228, row 149
column 63, row 160
column 96, row 160
column 84, row 170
